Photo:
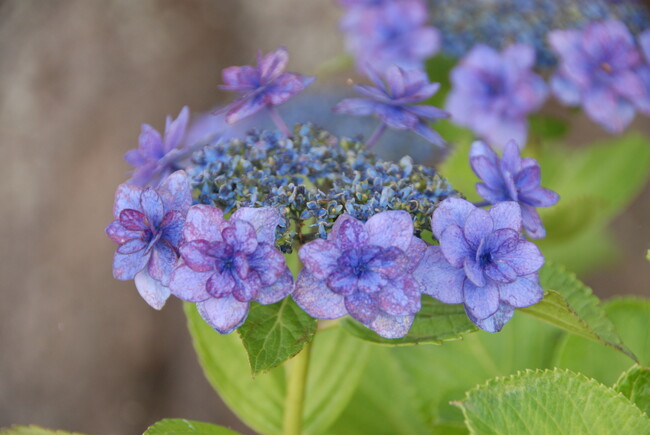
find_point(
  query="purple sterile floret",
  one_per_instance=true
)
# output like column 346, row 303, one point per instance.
column 385, row 33
column 156, row 157
column 512, row 178
column 227, row 264
column 264, row 86
column 481, row 262
column 602, row 70
column 148, row 227
column 493, row 93
column 364, row 270
column 393, row 102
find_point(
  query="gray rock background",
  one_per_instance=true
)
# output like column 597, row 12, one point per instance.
column 79, row 350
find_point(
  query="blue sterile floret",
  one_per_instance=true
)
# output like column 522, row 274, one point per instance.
column 313, row 178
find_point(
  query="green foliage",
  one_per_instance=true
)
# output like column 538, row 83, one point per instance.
column 547, row 127
column 550, row 402
column 631, row 318
column 436, row 322
column 274, row 333
column 571, row 306
column 336, row 365
column 635, row 385
column 185, row 426
column 31, row 429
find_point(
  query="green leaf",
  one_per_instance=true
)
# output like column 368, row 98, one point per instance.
column 631, row 318
column 635, row 385
column 31, row 429
column 550, row 402
column 572, row 306
column 274, row 333
column 436, row 322
column 547, row 127
column 336, row 365
column 185, row 426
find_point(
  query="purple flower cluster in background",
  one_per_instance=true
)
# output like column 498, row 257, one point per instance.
column 481, row 261
column 156, row 157
column 392, row 103
column 381, row 33
column 364, row 270
column 493, row 93
column 512, row 179
column 602, row 69
column 148, row 227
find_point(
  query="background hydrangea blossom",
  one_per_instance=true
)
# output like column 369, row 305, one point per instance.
column 481, row 262
column 364, row 270
column 600, row 70
column 392, row 103
column 156, row 157
column 228, row 264
column 383, row 33
column 264, row 86
column 493, row 93
column 512, row 179
column 148, row 227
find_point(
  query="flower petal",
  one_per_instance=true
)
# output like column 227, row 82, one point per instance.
column 244, row 108
column 390, row 229
column 342, row 282
column 539, row 197
column 610, row 111
column 429, row 134
column 400, row 297
column 355, row 106
column 474, row 272
column 438, row 278
column 150, row 143
column 152, row 206
column 204, row 222
column 527, row 179
column 163, row 259
column 118, row 234
column 454, row 246
column 241, row 236
column 263, row 219
column 485, row 164
column 189, row 285
column 452, row 211
column 268, row 262
column 320, row 257
column 196, row 255
column 506, row 215
column 175, row 130
column 283, row 286
column 478, row 225
column 532, row 222
column 351, row 234
column 524, row 259
column 391, row 327
column 247, row 289
column 132, row 246
column 273, row 64
column 500, row 272
column 151, row 290
column 481, row 302
column 126, row 266
column 490, row 195
column 176, row 192
column 362, row 307
column 220, row 285
column 523, row 292
column 223, row 314
column 127, row 197
column 495, row 322
column 316, row 299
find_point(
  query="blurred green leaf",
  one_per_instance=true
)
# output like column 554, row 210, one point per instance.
column 635, row 385
column 31, row 429
column 274, row 333
column 435, row 323
column 336, row 364
column 572, row 306
column 547, row 127
column 185, row 426
column 550, row 402
column 631, row 318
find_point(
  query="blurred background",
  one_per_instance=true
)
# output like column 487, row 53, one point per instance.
column 79, row 350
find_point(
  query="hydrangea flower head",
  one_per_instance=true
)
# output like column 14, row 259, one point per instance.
column 364, row 270
column 156, row 156
column 392, row 102
column 512, row 179
column 481, row 261
column 600, row 70
column 263, row 86
column 493, row 93
column 389, row 32
column 228, row 264
column 148, row 227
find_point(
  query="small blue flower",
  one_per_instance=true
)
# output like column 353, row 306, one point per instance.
column 228, row 264
column 264, row 86
column 148, row 227
column 512, row 179
column 393, row 102
column 364, row 270
column 493, row 93
column 157, row 157
column 388, row 32
column 599, row 69
column 481, row 261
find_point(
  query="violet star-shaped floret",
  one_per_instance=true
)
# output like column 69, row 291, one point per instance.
column 392, row 103
column 481, row 261
column 493, row 93
column 600, row 69
column 156, row 157
column 228, row 264
column 512, row 179
column 264, row 86
column 148, row 227
column 386, row 33
column 364, row 270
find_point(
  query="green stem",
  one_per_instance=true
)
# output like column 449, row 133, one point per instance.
column 296, row 383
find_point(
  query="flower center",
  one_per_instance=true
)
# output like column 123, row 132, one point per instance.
column 484, row 259
column 606, row 67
